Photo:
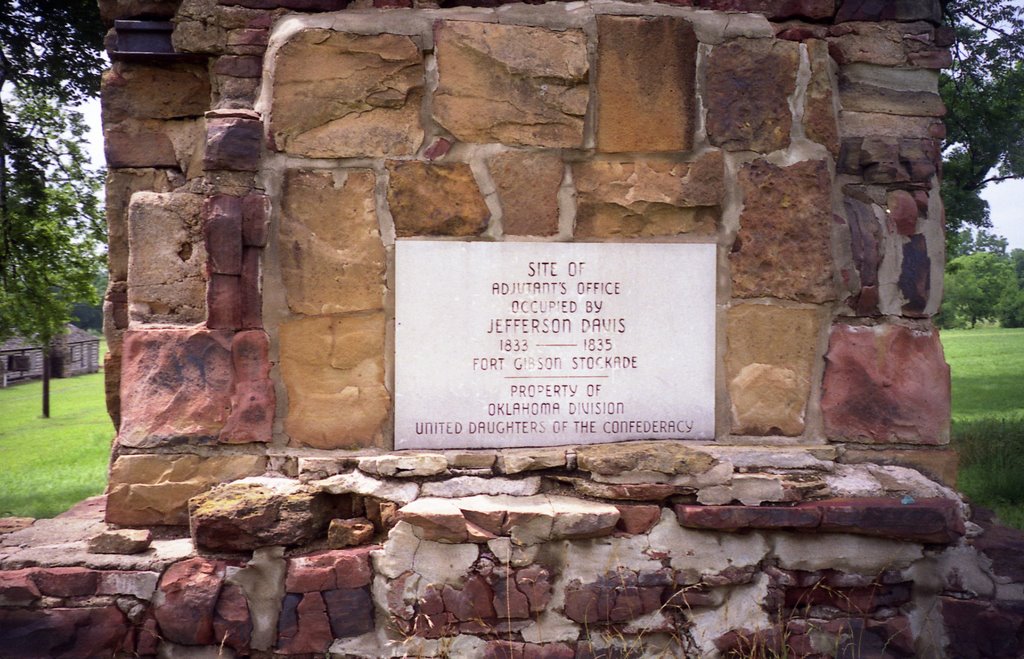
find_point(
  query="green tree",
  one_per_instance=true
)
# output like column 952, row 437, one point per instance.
column 1011, row 307
column 984, row 95
column 977, row 285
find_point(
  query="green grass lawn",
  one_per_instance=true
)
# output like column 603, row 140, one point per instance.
column 988, row 416
column 48, row 465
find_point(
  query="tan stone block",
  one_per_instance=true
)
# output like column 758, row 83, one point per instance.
column 749, row 82
column 820, row 117
column 174, row 143
column 643, row 107
column 941, row 464
column 868, row 43
column 333, row 368
column 332, row 257
column 784, row 245
column 121, row 185
column 342, row 95
column 167, row 258
column 528, row 186
column 146, row 490
column 435, row 200
column 150, row 92
column 769, row 365
column 648, row 198
column 511, row 83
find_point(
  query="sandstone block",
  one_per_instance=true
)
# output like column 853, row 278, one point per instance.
column 303, row 627
column 143, row 91
column 735, row 518
column 435, row 200
column 172, row 143
column 167, row 258
column 512, row 84
column 516, row 461
column 120, row 186
column 122, row 541
column 923, row 520
column 232, row 622
column 333, row 368
column 358, row 483
column 233, row 143
column 662, row 456
column 349, row 532
column 332, row 257
column 939, row 464
column 892, row 10
column 342, row 95
column 222, row 230
column 258, row 512
column 92, row 631
column 821, row 123
column 185, row 601
column 404, row 465
column 776, row 9
column 251, row 289
column 528, row 185
column 770, row 353
column 176, row 386
column 886, row 384
column 643, row 107
column 146, row 490
column 253, row 399
column 255, row 219
column 858, row 96
column 648, row 198
column 224, row 302
column 783, row 248
column 748, row 87
column 350, row 611
column 915, row 282
column 866, row 245
column 111, row 10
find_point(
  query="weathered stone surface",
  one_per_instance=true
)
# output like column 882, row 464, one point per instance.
column 866, row 250
column 862, row 97
column 821, row 123
column 185, row 601
column 167, row 258
column 176, row 386
column 923, row 520
column 770, row 353
column 253, row 398
column 17, row 588
column 890, row 10
column 232, row 623
column 332, row 257
column 255, row 219
column 173, row 143
column 634, row 519
column 258, row 512
column 983, row 629
column 515, row 461
column 111, row 10
column 349, row 532
column 664, row 457
column 615, row 598
column 123, row 541
column 748, row 87
column 358, row 483
column 528, row 185
column 146, row 490
column 333, row 368
column 915, row 282
column 642, row 107
column 467, row 486
column 143, row 91
column 251, row 286
column 63, row 633
column 510, row 83
column 11, row 524
column 404, row 465
column 223, row 302
column 940, row 464
column 889, row 160
column 886, row 383
column 648, row 198
column 775, row 9
column 66, row 581
column 783, row 248
column 303, row 626
column 329, row 570
column 435, row 200
column 748, row 489
column 350, row 611
column 342, row 95
column 222, row 231
column 233, row 143
column 735, row 518
column 625, row 491
column 120, row 186
column 902, row 211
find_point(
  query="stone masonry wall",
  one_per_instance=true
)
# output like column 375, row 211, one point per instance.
column 262, row 166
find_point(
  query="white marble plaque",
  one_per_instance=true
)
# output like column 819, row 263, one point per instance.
column 543, row 344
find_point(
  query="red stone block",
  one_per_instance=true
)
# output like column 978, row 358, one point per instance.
column 222, row 229
column 350, row 611
column 303, row 626
column 232, row 625
column 473, row 602
column 62, row 633
column 983, row 629
column 330, row 570
column 17, row 587
column 251, row 292
column 509, row 602
column 886, row 384
column 861, row 600
column 189, row 595
column 255, row 219
column 635, row 519
column 66, row 581
column 890, row 10
column 916, row 276
column 903, row 212
column 923, row 520
column 775, row 9
column 233, row 143
column 534, row 582
column 224, row 302
column 239, row 66
column 732, row 518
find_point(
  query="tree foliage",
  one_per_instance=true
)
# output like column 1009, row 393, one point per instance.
column 50, row 223
column 984, row 95
column 976, row 284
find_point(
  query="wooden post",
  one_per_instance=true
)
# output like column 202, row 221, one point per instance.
column 46, row 383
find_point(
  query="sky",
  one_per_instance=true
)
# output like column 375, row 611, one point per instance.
column 1006, row 199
